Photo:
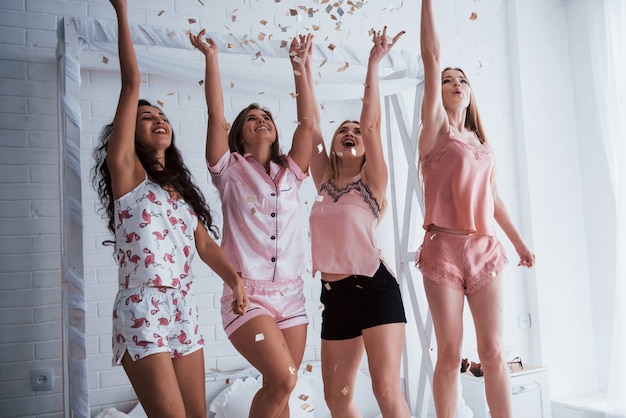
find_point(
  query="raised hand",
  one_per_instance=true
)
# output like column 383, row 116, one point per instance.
column 208, row 47
column 382, row 44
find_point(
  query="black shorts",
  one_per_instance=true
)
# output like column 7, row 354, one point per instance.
column 359, row 302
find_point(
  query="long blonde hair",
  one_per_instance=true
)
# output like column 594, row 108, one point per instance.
column 472, row 116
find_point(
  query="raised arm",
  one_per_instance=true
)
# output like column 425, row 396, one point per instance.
column 125, row 168
column 217, row 126
column 434, row 118
column 375, row 173
column 319, row 154
column 300, row 52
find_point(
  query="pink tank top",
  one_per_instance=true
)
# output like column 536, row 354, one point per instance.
column 457, row 187
column 342, row 223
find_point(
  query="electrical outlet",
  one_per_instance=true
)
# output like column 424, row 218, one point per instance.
column 523, row 320
column 41, row 379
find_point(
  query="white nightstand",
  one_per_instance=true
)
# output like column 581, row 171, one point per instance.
column 529, row 386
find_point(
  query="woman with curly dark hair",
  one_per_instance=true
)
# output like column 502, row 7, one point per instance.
column 159, row 220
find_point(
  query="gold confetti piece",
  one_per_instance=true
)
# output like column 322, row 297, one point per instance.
column 201, row 82
column 232, row 85
column 293, row 95
column 345, row 391
column 309, row 368
column 263, row 22
column 316, row 28
column 200, row 1
column 261, row 36
column 327, row 286
column 303, row 397
column 473, row 16
column 105, row 60
column 283, row 44
column 229, row 46
column 233, row 18
column 293, row 12
column 160, row 103
column 251, row 199
column 171, row 93
column 322, row 63
column 259, row 337
column 191, row 21
column 320, row 307
column 252, row 211
column 161, row 13
column 343, row 68
column 331, row 47
column 359, row 286
column 292, row 370
column 227, row 381
column 257, row 55
column 304, row 406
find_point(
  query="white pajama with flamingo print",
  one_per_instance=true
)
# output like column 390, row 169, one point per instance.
column 154, row 310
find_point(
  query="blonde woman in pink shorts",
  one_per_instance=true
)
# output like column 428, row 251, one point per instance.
column 460, row 257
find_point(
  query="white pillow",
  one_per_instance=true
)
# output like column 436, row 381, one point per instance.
column 236, row 399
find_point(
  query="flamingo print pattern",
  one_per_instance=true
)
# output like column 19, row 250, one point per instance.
column 154, row 309
column 154, row 320
column 154, row 238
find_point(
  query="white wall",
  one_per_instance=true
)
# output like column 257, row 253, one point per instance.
column 507, row 52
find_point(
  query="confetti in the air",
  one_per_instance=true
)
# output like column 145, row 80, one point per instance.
column 191, row 21
column 161, row 13
column 259, row 337
column 473, row 16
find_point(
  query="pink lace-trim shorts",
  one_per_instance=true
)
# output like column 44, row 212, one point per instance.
column 282, row 300
column 463, row 262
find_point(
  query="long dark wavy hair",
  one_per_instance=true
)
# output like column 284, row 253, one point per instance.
column 173, row 175
column 234, row 135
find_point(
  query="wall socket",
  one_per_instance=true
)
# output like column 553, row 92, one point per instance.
column 41, row 379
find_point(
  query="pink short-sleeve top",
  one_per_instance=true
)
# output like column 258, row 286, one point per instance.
column 457, row 186
column 154, row 238
column 342, row 223
column 263, row 233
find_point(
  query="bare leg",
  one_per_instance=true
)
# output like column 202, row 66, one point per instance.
column 340, row 363
column 384, row 344
column 486, row 308
column 296, row 341
column 446, row 308
column 191, row 381
column 263, row 344
column 152, row 378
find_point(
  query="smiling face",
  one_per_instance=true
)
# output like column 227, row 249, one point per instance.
column 153, row 129
column 258, row 128
column 347, row 140
column 455, row 88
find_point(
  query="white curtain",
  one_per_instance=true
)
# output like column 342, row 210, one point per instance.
column 608, row 45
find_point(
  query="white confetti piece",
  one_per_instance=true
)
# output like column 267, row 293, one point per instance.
column 327, row 286
column 259, row 337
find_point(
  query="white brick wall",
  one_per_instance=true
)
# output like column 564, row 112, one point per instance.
column 30, row 287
